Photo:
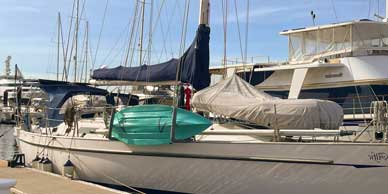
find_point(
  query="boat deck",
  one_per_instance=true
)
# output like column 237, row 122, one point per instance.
column 31, row 181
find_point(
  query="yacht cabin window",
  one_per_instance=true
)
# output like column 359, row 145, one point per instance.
column 311, row 44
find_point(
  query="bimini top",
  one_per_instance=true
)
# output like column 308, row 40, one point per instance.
column 58, row 92
column 194, row 67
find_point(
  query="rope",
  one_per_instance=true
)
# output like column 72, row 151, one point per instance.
column 97, row 172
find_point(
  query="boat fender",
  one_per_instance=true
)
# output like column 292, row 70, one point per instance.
column 35, row 162
column 379, row 135
column 47, row 165
column 40, row 163
column 68, row 169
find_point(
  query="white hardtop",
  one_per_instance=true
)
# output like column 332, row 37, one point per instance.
column 333, row 25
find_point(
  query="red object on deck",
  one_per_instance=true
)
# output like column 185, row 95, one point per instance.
column 188, row 97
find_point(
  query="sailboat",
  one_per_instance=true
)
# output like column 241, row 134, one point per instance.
column 10, row 87
column 241, row 163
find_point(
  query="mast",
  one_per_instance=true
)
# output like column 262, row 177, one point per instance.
column 203, row 20
column 58, row 39
column 141, row 33
column 86, row 51
column 204, row 12
column 150, row 33
column 76, row 42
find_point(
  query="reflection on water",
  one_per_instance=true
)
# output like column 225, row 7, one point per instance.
column 7, row 142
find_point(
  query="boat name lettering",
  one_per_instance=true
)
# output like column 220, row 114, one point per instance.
column 378, row 156
column 332, row 75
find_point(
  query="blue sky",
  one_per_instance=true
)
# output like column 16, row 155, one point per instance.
column 28, row 28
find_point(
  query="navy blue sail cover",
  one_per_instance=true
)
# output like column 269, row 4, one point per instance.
column 194, row 66
column 58, row 92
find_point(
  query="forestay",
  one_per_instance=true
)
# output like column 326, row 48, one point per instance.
column 237, row 99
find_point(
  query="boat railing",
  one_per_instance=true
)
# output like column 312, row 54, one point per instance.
column 357, row 107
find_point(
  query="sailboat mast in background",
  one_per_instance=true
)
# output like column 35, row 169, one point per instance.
column 141, row 33
column 76, row 41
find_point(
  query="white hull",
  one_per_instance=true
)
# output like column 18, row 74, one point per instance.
column 362, row 70
column 211, row 167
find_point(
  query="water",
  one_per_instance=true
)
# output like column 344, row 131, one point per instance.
column 7, row 142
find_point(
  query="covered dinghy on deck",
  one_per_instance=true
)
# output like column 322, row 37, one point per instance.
column 193, row 67
column 235, row 98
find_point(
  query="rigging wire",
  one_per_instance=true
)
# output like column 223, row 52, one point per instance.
column 99, row 36
column 75, row 37
column 150, row 33
column 121, row 36
column 165, row 34
column 184, row 27
column 238, row 30
column 239, row 36
column 64, row 74
column 246, row 32
column 225, row 28
column 157, row 21
column 83, row 56
column 132, row 31
column 334, row 10
column 134, row 48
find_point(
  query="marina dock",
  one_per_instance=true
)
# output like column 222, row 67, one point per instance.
column 31, row 181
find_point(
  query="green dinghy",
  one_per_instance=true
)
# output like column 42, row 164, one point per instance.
column 151, row 125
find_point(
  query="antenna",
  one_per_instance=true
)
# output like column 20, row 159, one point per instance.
column 7, row 69
column 313, row 16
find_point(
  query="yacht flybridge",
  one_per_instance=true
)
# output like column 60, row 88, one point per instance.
column 344, row 62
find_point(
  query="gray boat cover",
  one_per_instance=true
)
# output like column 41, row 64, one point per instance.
column 235, row 98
